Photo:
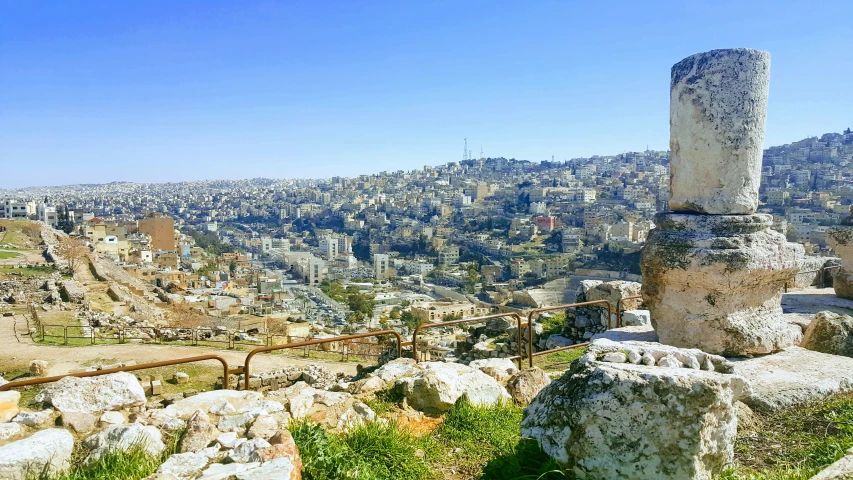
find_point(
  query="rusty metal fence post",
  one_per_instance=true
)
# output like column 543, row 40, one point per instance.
column 620, row 304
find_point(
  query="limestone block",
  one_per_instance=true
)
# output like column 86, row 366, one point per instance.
column 200, row 433
column 9, row 430
column 715, row 282
column 47, row 451
column 184, row 465
column 435, row 386
column 33, row 419
column 205, row 400
column 794, row 376
column 112, row 418
column 526, row 384
column 181, row 378
column 637, row 422
column 38, row 368
column 125, row 437
column 114, row 391
column 9, row 405
column 718, row 106
column 79, row 422
column 830, row 333
column 632, row 318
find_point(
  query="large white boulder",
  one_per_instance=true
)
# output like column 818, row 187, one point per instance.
column 435, row 386
column 115, row 391
column 47, row 450
column 830, row 333
column 123, row 438
column 794, row 376
column 621, row 420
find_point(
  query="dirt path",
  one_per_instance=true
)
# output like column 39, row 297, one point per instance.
column 62, row 360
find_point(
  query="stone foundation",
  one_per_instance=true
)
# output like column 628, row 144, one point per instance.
column 715, row 282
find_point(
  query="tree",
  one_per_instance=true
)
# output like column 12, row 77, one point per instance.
column 411, row 320
column 848, row 131
column 232, row 267
column 63, row 220
column 72, row 251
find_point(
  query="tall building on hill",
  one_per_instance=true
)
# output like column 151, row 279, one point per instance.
column 161, row 229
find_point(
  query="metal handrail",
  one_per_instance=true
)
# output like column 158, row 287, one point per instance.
column 820, row 270
column 619, row 310
column 129, row 368
column 269, row 348
column 466, row 320
column 537, row 311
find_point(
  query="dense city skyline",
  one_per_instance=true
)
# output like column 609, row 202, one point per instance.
column 170, row 92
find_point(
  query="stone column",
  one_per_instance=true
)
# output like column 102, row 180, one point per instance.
column 713, row 270
column 718, row 104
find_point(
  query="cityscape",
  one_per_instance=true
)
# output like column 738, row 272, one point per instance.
column 460, row 238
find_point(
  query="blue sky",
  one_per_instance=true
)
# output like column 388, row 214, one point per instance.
column 159, row 91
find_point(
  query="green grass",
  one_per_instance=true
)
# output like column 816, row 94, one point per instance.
column 472, row 443
column 5, row 255
column 558, row 361
column 485, row 442
column 553, row 325
column 32, row 271
column 374, row 451
column 794, row 444
column 131, row 464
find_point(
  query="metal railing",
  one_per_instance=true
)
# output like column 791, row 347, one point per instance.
column 37, row 381
column 155, row 334
column 620, row 304
column 247, row 370
column 537, row 311
column 820, row 278
column 469, row 320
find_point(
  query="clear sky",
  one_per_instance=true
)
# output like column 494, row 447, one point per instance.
column 159, row 91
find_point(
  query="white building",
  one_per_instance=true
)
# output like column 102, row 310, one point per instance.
column 47, row 214
column 14, row 209
column 382, row 266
